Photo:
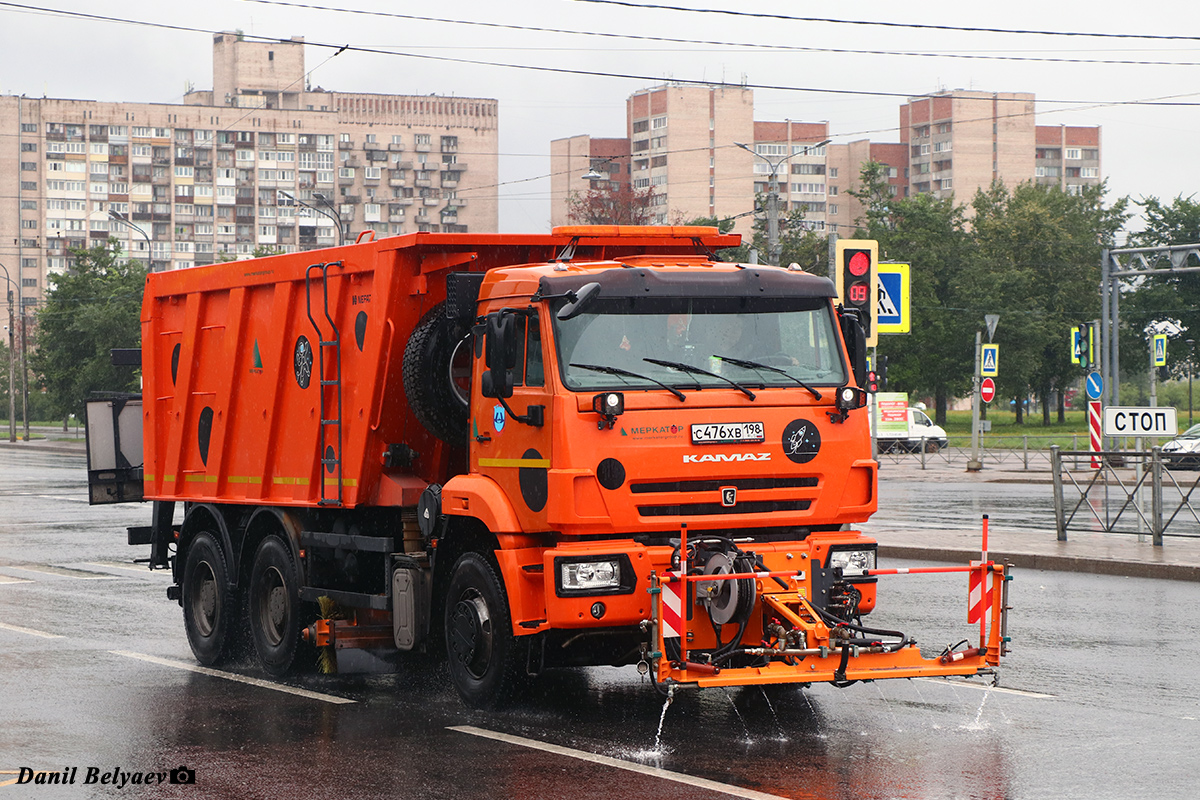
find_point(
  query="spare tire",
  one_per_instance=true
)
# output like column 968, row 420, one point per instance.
column 428, row 382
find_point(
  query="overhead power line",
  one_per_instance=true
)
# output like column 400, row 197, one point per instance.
column 567, row 71
column 718, row 42
column 882, row 24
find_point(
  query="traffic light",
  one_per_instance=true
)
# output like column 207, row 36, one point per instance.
column 872, row 381
column 1081, row 346
column 883, row 364
column 858, row 281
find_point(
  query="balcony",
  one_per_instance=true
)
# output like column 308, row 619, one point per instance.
column 401, row 201
column 431, row 201
column 396, row 147
column 345, row 145
column 457, row 202
column 423, row 182
column 457, row 166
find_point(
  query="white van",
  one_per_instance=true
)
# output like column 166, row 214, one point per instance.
column 894, row 435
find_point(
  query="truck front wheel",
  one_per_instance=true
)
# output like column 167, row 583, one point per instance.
column 209, row 603
column 480, row 645
column 274, row 606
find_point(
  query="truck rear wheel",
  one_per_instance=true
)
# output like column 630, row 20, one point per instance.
column 429, row 376
column 210, row 604
column 480, row 645
column 274, row 606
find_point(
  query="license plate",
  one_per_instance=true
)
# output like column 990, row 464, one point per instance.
column 727, row 433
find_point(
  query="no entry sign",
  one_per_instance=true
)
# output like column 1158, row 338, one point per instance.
column 987, row 390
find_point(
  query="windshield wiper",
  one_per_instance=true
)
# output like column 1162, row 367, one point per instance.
column 738, row 362
column 626, row 373
column 682, row 367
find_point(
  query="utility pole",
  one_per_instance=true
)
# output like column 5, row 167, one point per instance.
column 975, row 465
column 773, row 247
column 12, row 385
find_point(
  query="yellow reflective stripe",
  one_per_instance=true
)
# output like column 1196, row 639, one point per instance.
column 147, row 477
column 291, row 481
column 345, row 482
column 539, row 463
column 200, row 478
column 244, row 479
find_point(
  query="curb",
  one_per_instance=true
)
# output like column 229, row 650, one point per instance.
column 1095, row 566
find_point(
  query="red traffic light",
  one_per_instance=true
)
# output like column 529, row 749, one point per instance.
column 859, row 263
column 872, row 381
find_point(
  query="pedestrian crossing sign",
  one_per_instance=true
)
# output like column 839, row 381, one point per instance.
column 989, row 363
column 893, row 314
column 1160, row 349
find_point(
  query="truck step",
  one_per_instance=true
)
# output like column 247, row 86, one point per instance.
column 346, row 541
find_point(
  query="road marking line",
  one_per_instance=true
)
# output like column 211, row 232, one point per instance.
column 986, row 688
column 230, row 676
column 65, row 572
column 10, row 772
column 11, row 579
column 28, row 631
column 582, row 755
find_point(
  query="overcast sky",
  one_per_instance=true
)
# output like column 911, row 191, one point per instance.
column 1147, row 150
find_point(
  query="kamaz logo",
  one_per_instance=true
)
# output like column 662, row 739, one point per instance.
column 694, row 459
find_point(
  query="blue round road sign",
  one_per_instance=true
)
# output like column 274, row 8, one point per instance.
column 1095, row 385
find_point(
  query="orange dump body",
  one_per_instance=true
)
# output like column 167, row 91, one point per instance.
column 235, row 410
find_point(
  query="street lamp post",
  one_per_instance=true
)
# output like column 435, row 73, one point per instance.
column 773, row 247
column 1191, row 343
column 336, row 220
column 336, row 217
column 12, row 375
column 113, row 214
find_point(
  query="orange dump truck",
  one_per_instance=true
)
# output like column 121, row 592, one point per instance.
column 597, row 446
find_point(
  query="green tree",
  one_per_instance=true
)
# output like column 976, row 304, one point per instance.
column 91, row 308
column 929, row 234
column 1037, row 251
column 1174, row 296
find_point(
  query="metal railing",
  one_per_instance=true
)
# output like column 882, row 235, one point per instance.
column 1111, row 496
column 1030, row 452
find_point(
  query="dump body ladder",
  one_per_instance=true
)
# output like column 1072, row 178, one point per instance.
column 330, row 404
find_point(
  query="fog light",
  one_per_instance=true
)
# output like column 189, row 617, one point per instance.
column 598, row 610
column 591, row 575
column 849, row 397
column 852, row 562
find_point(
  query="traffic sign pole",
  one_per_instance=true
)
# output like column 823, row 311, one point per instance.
column 1094, row 417
column 975, row 465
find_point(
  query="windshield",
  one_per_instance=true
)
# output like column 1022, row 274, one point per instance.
column 1191, row 433
column 775, row 342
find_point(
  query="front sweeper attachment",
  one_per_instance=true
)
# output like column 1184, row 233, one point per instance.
column 785, row 636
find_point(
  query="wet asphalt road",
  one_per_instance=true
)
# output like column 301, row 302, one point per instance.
column 1112, row 661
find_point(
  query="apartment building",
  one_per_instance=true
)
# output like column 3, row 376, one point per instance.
column 575, row 159
column 262, row 160
column 960, row 141
column 687, row 142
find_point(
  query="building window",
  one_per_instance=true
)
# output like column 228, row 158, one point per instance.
column 1089, row 172
column 1074, row 153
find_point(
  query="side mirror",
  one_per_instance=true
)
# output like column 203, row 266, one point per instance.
column 856, row 344
column 500, row 354
column 583, row 298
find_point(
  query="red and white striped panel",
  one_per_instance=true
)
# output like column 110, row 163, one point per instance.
column 672, row 607
column 1094, row 420
column 979, row 596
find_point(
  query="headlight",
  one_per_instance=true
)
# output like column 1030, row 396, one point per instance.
column 590, row 576
column 852, row 562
